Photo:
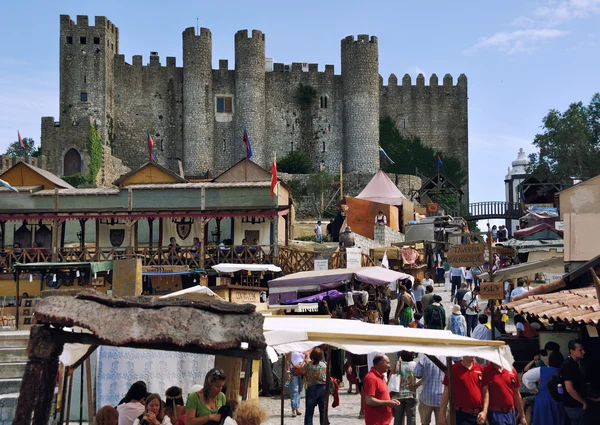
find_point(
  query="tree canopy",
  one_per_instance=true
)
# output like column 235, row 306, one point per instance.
column 15, row 148
column 411, row 156
column 295, row 162
column 569, row 145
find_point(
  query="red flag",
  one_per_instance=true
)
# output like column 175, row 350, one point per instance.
column 20, row 140
column 150, row 146
column 274, row 190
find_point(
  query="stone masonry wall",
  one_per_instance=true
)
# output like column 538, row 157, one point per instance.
column 7, row 162
column 177, row 104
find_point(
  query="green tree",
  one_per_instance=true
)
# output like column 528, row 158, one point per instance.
column 569, row 145
column 411, row 156
column 15, row 148
column 317, row 185
column 295, row 162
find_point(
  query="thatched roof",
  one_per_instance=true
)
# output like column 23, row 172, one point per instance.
column 206, row 325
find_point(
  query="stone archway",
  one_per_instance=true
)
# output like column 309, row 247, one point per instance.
column 72, row 162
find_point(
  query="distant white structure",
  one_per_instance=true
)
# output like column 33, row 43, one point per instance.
column 515, row 176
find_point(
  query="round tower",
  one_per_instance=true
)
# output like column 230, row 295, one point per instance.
column 250, row 94
column 198, row 102
column 360, row 83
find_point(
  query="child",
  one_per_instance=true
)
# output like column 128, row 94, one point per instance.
column 416, row 323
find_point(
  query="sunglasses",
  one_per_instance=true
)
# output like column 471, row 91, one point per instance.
column 219, row 374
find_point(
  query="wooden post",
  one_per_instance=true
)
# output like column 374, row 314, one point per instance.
column 202, row 238
column 450, row 392
column 247, row 378
column 491, row 274
column 88, row 380
column 150, row 231
column 55, row 224
column 18, row 294
column 63, row 229
column 232, row 367
column 283, row 362
column 136, row 238
column 275, row 221
column 62, row 393
column 39, row 379
column 3, row 231
column 341, row 181
column 160, row 232
column 97, row 245
column 81, row 395
column 69, row 393
column 327, row 380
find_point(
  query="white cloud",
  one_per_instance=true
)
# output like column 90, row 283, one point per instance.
column 542, row 23
column 519, row 41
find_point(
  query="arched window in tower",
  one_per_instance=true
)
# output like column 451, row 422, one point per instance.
column 72, row 162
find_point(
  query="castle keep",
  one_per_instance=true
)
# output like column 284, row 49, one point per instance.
column 196, row 114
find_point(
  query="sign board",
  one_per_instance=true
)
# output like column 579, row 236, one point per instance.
column 244, row 297
column 353, row 257
column 466, row 255
column 491, row 291
column 504, row 251
column 321, row 264
column 559, row 225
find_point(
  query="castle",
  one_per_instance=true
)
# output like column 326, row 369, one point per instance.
column 197, row 114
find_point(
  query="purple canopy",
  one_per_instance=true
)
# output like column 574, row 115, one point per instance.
column 333, row 294
column 372, row 275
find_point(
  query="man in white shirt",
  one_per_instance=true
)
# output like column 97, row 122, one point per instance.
column 456, row 276
column 482, row 332
column 470, row 303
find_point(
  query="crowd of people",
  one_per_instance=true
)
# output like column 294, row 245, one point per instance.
column 206, row 406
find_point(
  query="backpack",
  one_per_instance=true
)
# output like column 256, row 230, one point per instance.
column 456, row 324
column 436, row 319
column 553, row 387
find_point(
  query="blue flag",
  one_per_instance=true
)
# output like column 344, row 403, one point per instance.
column 7, row 185
column 440, row 163
column 246, row 140
column 382, row 153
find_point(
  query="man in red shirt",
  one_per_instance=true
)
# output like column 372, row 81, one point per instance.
column 467, row 378
column 378, row 406
column 504, row 396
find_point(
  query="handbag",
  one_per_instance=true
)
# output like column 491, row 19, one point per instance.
column 298, row 370
column 394, row 382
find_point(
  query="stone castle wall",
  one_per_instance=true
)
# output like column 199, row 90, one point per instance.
column 7, row 162
column 177, row 105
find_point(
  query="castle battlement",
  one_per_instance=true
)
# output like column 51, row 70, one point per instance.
column 243, row 35
column 296, row 67
column 448, row 81
column 361, row 38
column 100, row 22
column 190, row 32
column 138, row 61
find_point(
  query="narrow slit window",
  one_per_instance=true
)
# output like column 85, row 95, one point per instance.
column 82, row 40
column 96, row 40
column 83, row 97
column 69, row 39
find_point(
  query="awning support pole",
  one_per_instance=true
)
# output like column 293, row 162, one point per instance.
column 452, row 412
column 283, row 362
column 327, row 380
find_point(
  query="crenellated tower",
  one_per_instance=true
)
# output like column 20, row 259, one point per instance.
column 250, row 94
column 198, row 102
column 360, row 82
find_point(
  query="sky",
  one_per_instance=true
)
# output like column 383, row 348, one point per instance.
column 521, row 57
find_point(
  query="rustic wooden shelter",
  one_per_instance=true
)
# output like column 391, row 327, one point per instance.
column 207, row 327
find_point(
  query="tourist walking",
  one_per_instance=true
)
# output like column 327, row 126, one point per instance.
column 435, row 315
column 378, row 405
column 407, row 396
column 470, row 303
column 456, row 276
column 457, row 323
column 430, row 397
column 315, row 374
column 319, row 232
column 296, row 361
column 404, row 306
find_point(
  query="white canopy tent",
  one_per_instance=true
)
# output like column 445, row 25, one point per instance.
column 288, row 334
column 194, row 293
column 232, row 268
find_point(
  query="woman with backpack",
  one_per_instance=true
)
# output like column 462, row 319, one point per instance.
column 546, row 410
column 457, row 323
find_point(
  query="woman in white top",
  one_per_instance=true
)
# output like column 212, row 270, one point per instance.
column 155, row 412
column 428, row 280
column 131, row 406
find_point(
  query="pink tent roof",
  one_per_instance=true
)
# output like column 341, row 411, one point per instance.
column 381, row 189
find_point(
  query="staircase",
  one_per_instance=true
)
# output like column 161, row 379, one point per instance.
column 13, row 359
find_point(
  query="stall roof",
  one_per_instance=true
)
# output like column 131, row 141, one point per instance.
column 373, row 275
column 195, row 292
column 521, row 270
column 232, row 268
column 300, row 334
column 571, row 306
column 381, row 189
column 191, row 272
column 95, row 267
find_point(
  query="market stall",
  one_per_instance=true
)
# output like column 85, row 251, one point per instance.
column 243, row 283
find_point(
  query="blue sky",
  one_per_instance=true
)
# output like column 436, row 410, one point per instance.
column 521, row 57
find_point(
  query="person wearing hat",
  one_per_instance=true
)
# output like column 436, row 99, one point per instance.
column 457, row 323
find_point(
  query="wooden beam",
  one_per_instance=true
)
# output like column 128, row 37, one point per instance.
column 90, row 339
column 451, row 407
column 596, row 283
